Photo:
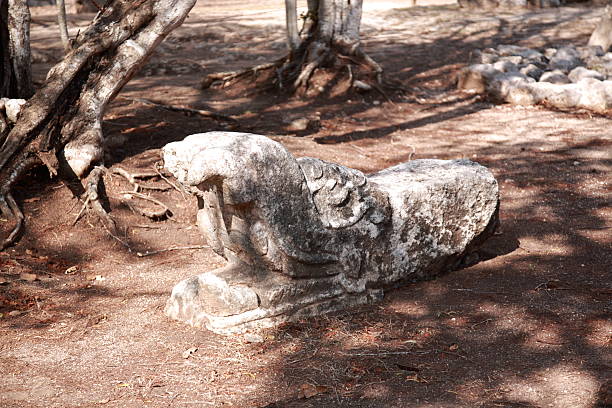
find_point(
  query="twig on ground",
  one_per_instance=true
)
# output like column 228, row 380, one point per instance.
column 382, row 353
column 83, row 208
column 132, row 179
column 163, row 212
column 190, row 111
column 483, row 322
column 225, row 77
column 157, row 166
column 149, row 253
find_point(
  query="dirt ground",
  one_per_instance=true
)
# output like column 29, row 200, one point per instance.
column 82, row 321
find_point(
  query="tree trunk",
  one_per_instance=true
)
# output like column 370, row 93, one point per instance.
column 331, row 31
column 329, row 38
column 15, row 64
column 61, row 125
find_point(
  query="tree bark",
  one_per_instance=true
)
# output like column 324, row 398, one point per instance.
column 333, row 32
column 329, row 38
column 63, row 24
column 15, row 59
column 61, row 125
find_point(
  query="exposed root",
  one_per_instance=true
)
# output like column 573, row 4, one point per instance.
column 159, row 170
column 163, row 212
column 81, row 211
column 10, row 208
column 295, row 71
column 188, row 111
column 8, row 205
column 93, row 187
column 226, row 77
column 132, row 179
column 159, row 251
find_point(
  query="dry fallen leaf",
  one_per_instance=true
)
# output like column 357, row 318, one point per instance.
column 416, row 378
column 309, row 390
column 3, row 281
column 453, row 347
column 15, row 313
column 187, row 353
column 29, row 277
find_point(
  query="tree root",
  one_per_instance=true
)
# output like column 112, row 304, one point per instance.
column 132, row 179
column 10, row 208
column 8, row 205
column 163, row 212
column 159, row 251
column 226, row 77
column 187, row 111
column 295, row 70
column 93, row 187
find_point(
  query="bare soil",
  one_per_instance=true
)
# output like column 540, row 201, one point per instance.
column 82, row 314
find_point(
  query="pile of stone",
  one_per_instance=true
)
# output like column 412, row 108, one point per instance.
column 566, row 77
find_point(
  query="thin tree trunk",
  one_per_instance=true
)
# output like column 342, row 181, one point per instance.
column 63, row 24
column 15, row 58
column 293, row 37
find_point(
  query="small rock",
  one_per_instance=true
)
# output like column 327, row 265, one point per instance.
column 555, row 77
column 253, row 338
column 475, row 77
column 566, row 59
column 376, row 103
column 484, row 57
column 505, row 66
column 579, row 73
column 515, row 59
column 298, row 125
column 532, row 71
column 12, row 107
column 28, row 277
column 550, row 52
column 362, row 85
column 591, row 51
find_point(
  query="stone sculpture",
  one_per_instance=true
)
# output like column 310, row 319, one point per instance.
column 303, row 237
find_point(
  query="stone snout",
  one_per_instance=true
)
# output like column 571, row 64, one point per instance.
column 304, row 237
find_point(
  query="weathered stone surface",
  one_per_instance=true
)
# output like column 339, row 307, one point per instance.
column 12, row 107
column 555, row 77
column 532, row 71
column 475, row 77
column 586, row 86
column 579, row 73
column 506, row 65
column 304, row 236
column 565, row 59
column 588, row 93
column 602, row 35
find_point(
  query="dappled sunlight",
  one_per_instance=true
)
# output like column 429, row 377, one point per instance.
column 559, row 385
